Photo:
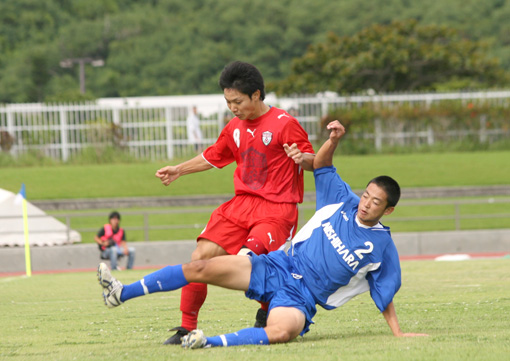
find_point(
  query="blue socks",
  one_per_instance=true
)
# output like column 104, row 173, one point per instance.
column 247, row 336
column 166, row 279
column 171, row 278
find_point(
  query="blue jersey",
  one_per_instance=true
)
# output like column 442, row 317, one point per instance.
column 337, row 256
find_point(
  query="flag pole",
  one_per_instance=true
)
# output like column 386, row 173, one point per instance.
column 28, row 262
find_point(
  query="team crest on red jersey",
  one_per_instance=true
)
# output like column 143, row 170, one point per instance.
column 254, row 169
column 267, row 137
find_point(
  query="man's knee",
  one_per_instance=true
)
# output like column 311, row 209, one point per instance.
column 279, row 335
column 196, row 270
column 284, row 324
column 206, row 250
column 255, row 245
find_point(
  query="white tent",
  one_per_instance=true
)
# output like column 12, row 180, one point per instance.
column 43, row 230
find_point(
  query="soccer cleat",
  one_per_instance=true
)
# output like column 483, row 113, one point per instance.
column 260, row 318
column 177, row 338
column 112, row 288
column 193, row 340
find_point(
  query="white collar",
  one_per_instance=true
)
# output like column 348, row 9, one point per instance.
column 378, row 225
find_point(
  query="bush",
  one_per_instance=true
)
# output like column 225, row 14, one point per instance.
column 450, row 125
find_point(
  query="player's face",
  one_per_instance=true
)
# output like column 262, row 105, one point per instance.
column 373, row 205
column 114, row 222
column 242, row 105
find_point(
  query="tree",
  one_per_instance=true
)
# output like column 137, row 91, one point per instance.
column 163, row 47
column 28, row 75
column 403, row 55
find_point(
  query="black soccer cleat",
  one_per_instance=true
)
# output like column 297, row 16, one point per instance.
column 176, row 339
column 261, row 318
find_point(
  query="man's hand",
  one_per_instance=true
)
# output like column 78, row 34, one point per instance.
column 324, row 157
column 337, row 131
column 390, row 316
column 294, row 153
column 304, row 160
column 168, row 174
column 103, row 243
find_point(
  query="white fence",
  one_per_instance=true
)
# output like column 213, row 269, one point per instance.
column 63, row 131
column 155, row 127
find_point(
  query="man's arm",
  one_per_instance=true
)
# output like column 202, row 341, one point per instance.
column 391, row 318
column 169, row 173
column 307, row 163
column 324, row 157
column 99, row 241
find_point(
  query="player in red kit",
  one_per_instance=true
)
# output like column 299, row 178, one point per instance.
column 271, row 150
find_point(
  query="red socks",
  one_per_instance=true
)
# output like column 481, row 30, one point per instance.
column 192, row 298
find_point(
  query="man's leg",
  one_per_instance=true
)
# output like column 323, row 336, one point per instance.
column 115, row 293
column 131, row 258
column 231, row 272
column 193, row 295
column 283, row 324
column 113, row 257
column 271, row 235
column 255, row 245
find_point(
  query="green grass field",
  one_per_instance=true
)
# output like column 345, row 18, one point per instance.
column 463, row 306
column 192, row 223
column 138, row 179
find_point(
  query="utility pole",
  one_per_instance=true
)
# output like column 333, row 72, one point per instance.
column 68, row 63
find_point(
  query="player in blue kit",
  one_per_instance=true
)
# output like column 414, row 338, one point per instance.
column 341, row 252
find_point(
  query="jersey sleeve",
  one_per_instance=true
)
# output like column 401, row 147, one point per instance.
column 386, row 280
column 330, row 188
column 293, row 132
column 219, row 154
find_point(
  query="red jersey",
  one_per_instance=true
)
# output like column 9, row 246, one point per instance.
column 263, row 167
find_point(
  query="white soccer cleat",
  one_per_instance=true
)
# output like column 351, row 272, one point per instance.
column 193, row 340
column 112, row 288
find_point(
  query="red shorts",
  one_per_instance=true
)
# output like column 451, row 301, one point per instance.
column 248, row 218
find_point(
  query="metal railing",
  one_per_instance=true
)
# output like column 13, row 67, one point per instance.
column 457, row 217
column 147, row 226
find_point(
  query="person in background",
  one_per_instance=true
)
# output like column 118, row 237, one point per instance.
column 111, row 240
column 194, row 131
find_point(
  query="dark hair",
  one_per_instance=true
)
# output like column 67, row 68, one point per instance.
column 114, row 214
column 391, row 188
column 243, row 77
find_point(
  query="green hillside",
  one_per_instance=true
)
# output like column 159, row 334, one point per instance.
column 171, row 47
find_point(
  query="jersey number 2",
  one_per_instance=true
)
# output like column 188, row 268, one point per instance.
column 361, row 252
